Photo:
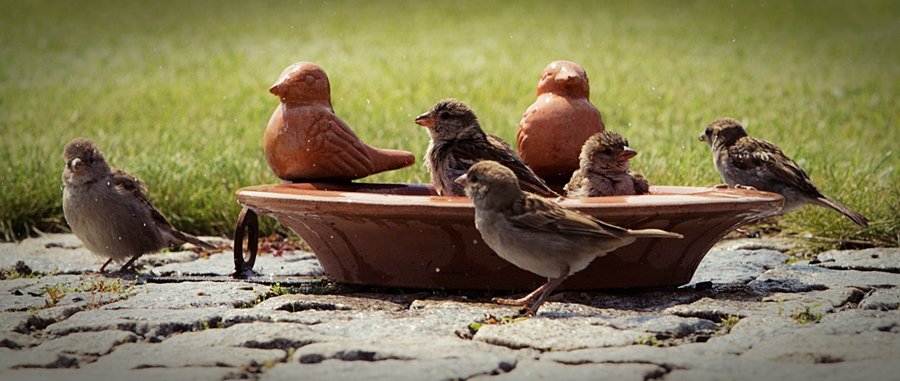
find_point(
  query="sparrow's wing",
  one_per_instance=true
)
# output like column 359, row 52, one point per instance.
column 771, row 163
column 124, row 182
column 498, row 150
column 537, row 214
column 334, row 139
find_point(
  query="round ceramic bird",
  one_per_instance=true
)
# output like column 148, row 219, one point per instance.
column 537, row 234
column 560, row 120
column 603, row 169
column 745, row 161
column 458, row 142
column 108, row 209
column 305, row 140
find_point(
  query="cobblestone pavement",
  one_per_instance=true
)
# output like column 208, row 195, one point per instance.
column 747, row 315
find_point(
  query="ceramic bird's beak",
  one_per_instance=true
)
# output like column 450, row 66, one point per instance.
column 627, row 153
column 425, row 120
column 462, row 180
column 565, row 75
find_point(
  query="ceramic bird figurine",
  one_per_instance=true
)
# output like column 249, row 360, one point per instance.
column 745, row 161
column 537, row 234
column 557, row 124
column 458, row 142
column 305, row 140
column 108, row 209
column 603, row 169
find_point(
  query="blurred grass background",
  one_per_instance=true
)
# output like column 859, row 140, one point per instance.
column 175, row 92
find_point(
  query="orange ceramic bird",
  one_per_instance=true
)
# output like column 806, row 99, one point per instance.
column 557, row 124
column 305, row 140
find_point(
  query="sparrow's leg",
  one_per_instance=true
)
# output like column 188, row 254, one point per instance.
column 548, row 289
column 130, row 261
column 745, row 187
column 104, row 266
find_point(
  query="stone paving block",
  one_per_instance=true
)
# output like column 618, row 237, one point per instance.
column 756, row 370
column 798, row 278
column 400, row 348
column 809, row 347
column 18, row 321
column 665, row 325
column 192, row 295
column 736, row 266
column 764, row 243
column 251, row 335
column 552, row 371
column 163, row 355
column 34, row 358
column 885, row 259
column 303, row 302
column 167, row 374
column 388, row 370
column 88, row 343
column 294, row 263
column 13, row 340
column 857, row 321
column 51, row 253
column 686, row 356
column 149, row 323
column 882, row 299
column 556, row 334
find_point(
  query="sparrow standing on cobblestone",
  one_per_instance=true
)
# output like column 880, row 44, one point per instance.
column 537, row 234
column 745, row 161
column 108, row 209
column 458, row 142
column 603, row 169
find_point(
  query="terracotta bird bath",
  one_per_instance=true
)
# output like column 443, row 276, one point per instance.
column 404, row 235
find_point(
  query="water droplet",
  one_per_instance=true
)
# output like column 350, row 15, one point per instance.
column 437, row 269
column 733, row 40
column 474, row 241
column 331, row 236
column 368, row 101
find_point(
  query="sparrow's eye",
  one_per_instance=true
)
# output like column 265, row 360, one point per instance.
column 708, row 131
column 444, row 115
column 473, row 178
column 607, row 151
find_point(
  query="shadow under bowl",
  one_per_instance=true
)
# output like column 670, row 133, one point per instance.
column 404, row 235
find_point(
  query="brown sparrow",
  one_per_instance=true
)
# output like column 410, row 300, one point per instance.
column 603, row 169
column 557, row 124
column 305, row 140
column 458, row 142
column 108, row 209
column 537, row 234
column 746, row 161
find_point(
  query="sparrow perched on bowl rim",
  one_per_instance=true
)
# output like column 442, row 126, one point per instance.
column 536, row 234
column 742, row 160
column 458, row 142
column 108, row 209
column 603, row 169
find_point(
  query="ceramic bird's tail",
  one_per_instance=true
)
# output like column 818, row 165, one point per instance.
column 653, row 233
column 859, row 219
column 185, row 237
column 388, row 159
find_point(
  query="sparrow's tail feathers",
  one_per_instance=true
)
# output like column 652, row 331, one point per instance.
column 859, row 219
column 653, row 233
column 185, row 237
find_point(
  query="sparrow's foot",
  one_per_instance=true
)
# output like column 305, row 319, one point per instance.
column 721, row 186
column 512, row 302
column 745, row 187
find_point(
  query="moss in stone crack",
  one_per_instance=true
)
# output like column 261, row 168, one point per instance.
column 488, row 319
column 277, row 290
column 729, row 322
column 19, row 270
column 649, row 339
column 807, row 314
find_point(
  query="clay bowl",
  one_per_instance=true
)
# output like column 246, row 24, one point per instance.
column 403, row 235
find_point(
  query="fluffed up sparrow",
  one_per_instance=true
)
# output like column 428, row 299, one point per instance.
column 537, row 234
column 108, row 209
column 458, row 142
column 603, row 169
column 745, row 161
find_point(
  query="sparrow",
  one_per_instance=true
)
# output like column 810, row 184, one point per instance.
column 603, row 169
column 537, row 234
column 745, row 161
column 458, row 142
column 108, row 209
column 305, row 140
column 562, row 117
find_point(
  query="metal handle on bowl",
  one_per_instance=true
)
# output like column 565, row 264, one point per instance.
column 248, row 221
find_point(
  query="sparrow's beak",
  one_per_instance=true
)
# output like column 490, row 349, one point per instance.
column 425, row 120
column 702, row 137
column 565, row 75
column 462, row 180
column 627, row 153
column 75, row 165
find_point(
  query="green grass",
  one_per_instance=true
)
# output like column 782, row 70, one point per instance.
column 176, row 92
